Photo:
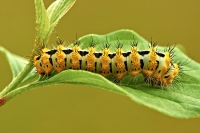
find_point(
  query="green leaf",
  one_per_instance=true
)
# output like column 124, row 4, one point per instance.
column 21, row 70
column 181, row 99
column 46, row 20
column 71, row 77
column 57, row 10
column 16, row 62
column 42, row 21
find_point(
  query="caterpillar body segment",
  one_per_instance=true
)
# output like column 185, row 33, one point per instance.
column 150, row 59
column 104, row 63
column 38, row 65
column 74, row 61
column 89, row 61
column 119, row 64
column 134, row 61
column 43, row 62
column 170, row 75
column 164, row 63
column 59, row 59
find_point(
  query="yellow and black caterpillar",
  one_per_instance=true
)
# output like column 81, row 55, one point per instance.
column 156, row 67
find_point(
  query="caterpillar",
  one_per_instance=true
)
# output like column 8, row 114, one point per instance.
column 156, row 67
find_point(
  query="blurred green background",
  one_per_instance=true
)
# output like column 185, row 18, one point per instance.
column 73, row 108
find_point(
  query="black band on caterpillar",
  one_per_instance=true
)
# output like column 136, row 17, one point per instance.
column 156, row 67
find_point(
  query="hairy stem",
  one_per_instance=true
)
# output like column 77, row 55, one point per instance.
column 24, row 88
column 17, row 80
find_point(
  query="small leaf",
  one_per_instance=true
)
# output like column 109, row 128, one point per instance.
column 42, row 21
column 47, row 20
column 17, row 64
column 57, row 10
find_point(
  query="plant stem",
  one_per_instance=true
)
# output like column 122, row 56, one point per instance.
column 18, row 79
column 19, row 90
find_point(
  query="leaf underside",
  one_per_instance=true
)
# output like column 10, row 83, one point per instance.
column 181, row 99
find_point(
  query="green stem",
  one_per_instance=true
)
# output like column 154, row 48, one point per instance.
column 18, row 79
column 27, row 87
